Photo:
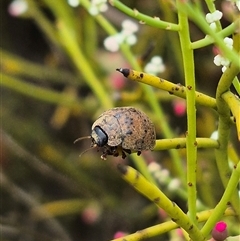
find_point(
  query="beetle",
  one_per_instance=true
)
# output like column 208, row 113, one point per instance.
column 122, row 130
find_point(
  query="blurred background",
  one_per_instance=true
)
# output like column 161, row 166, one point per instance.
column 58, row 77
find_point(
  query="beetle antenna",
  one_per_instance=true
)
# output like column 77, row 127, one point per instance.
column 82, row 138
column 90, row 148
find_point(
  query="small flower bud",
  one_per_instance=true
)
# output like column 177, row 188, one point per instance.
column 220, row 233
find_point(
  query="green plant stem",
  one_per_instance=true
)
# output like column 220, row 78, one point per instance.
column 43, row 23
column 233, row 103
column 188, row 63
column 83, row 66
column 170, row 16
column 165, row 227
column 209, row 40
column 40, row 93
column 174, row 89
column 66, row 36
column 154, row 22
column 60, row 208
column 14, row 65
column 236, row 85
column 177, row 143
column 200, row 21
column 142, row 167
column 156, row 196
column 212, row 8
column 221, row 206
column 224, row 130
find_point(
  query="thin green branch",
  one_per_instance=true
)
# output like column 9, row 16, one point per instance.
column 144, row 19
column 209, row 40
column 175, row 89
column 158, row 197
column 224, row 129
column 233, row 103
column 177, row 143
column 201, row 22
column 165, row 227
column 188, row 64
column 40, row 93
column 12, row 64
column 223, row 203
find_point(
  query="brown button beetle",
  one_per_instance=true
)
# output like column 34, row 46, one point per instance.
column 122, row 130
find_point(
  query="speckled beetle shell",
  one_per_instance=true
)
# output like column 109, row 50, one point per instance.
column 123, row 129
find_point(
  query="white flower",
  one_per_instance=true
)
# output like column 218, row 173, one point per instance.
column 126, row 35
column 162, row 176
column 131, row 39
column 18, row 7
column 155, row 66
column 129, row 26
column 214, row 135
column 74, row 3
column 174, row 184
column 213, row 26
column 224, row 69
column 98, row 6
column 154, row 166
column 229, row 42
column 111, row 44
column 214, row 16
column 219, row 60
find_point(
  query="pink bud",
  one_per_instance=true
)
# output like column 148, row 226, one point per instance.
column 119, row 234
column 220, row 233
column 179, row 107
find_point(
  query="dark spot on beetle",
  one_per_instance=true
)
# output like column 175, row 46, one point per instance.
column 171, row 93
column 178, row 146
column 176, row 88
column 228, row 203
column 141, row 75
column 195, row 143
column 189, row 87
column 139, row 153
column 156, row 200
column 190, row 184
column 129, row 132
column 145, row 131
column 174, row 219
